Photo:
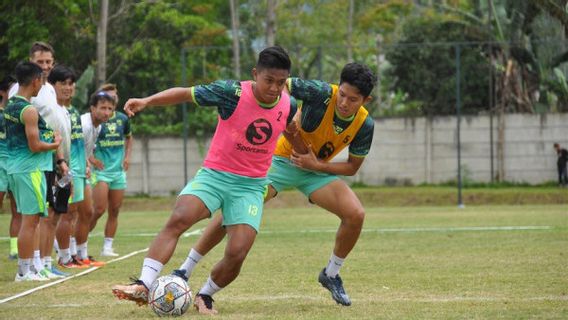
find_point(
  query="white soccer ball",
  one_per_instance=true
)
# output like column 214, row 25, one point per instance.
column 169, row 296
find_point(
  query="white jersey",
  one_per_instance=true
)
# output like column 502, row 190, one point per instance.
column 90, row 133
column 56, row 116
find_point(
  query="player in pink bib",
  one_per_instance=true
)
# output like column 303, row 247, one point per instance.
column 252, row 115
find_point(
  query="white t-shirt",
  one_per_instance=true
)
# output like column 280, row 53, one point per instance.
column 56, row 116
column 90, row 133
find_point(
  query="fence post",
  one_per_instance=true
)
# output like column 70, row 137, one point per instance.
column 184, row 114
column 458, row 113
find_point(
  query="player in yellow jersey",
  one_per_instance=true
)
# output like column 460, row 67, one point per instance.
column 332, row 117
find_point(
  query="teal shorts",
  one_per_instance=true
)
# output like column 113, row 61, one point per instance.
column 3, row 177
column 78, row 193
column 283, row 174
column 29, row 190
column 115, row 180
column 240, row 198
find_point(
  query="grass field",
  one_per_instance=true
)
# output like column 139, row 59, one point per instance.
column 480, row 262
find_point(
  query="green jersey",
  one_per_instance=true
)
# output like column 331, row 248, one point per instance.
column 3, row 146
column 78, row 161
column 20, row 158
column 110, row 142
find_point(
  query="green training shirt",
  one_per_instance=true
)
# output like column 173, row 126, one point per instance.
column 20, row 158
column 110, row 142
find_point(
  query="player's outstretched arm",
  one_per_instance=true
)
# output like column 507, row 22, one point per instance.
column 167, row 97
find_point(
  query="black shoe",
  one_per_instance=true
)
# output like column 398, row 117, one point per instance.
column 180, row 273
column 335, row 286
column 204, row 304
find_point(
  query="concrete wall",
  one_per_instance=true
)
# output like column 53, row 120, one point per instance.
column 405, row 151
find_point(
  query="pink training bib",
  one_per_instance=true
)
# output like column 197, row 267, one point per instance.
column 243, row 144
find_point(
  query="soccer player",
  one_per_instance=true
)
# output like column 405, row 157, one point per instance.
column 101, row 108
column 252, row 114
column 57, row 118
column 63, row 81
column 30, row 142
column 332, row 118
column 16, row 218
column 110, row 163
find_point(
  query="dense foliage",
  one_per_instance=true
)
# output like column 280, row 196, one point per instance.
column 411, row 44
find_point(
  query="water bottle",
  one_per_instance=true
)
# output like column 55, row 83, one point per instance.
column 65, row 180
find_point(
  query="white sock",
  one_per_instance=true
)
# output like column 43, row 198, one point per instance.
column 82, row 252
column 191, row 261
column 24, row 266
column 37, row 261
column 108, row 243
column 333, row 266
column 150, row 271
column 73, row 246
column 209, row 288
column 47, row 261
column 64, row 255
column 55, row 245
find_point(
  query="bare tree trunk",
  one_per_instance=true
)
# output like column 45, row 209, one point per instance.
column 350, row 31
column 235, row 32
column 379, row 57
column 102, row 43
column 270, row 23
column 506, row 97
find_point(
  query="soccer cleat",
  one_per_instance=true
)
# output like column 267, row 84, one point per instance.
column 136, row 291
column 46, row 273
column 90, row 261
column 109, row 252
column 335, row 286
column 71, row 264
column 204, row 304
column 13, row 256
column 58, row 272
column 30, row 276
column 180, row 273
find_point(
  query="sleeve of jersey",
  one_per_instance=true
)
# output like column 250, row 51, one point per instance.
column 293, row 110
column 361, row 144
column 310, row 92
column 127, row 129
column 223, row 94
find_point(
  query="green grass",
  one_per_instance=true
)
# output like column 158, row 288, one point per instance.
column 410, row 263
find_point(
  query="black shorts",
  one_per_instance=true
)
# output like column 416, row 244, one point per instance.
column 57, row 197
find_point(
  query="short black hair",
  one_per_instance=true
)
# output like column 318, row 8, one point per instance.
column 26, row 72
column 359, row 76
column 61, row 73
column 273, row 58
column 100, row 96
column 7, row 82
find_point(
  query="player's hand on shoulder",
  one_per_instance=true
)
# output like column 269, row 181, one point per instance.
column 134, row 105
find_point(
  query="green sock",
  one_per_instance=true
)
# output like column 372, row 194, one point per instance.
column 14, row 245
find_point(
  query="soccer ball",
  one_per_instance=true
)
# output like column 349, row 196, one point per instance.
column 169, row 296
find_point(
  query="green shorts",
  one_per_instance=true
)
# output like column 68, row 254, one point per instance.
column 78, row 193
column 3, row 177
column 29, row 190
column 240, row 198
column 115, row 180
column 283, row 174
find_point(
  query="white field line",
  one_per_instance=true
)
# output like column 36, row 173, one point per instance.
column 327, row 230
column 50, row 284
